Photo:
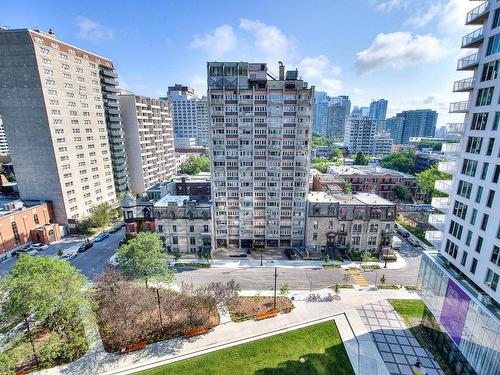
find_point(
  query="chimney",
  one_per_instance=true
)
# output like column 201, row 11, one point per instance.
column 282, row 71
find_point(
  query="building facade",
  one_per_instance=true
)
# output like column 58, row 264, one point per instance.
column 394, row 126
column 260, row 154
column 418, row 123
column 321, row 101
column 184, row 224
column 4, row 146
column 360, row 134
column 460, row 282
column 64, row 154
column 149, row 139
column 189, row 114
column 378, row 180
column 378, row 109
column 382, row 144
column 26, row 221
column 339, row 223
column 338, row 111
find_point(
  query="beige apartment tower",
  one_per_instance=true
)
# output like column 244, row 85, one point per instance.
column 55, row 116
column 149, row 140
column 260, row 151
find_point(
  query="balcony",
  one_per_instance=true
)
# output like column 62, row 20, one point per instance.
column 468, row 62
column 443, row 186
column 456, row 127
column 447, row 167
column 434, row 237
column 462, row 85
column 473, row 39
column 442, row 204
column 450, row 148
column 478, row 15
column 459, row 107
column 437, row 221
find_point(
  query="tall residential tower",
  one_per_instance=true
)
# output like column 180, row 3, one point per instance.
column 260, row 151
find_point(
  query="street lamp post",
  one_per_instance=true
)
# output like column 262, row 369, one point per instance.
column 275, row 281
column 261, row 254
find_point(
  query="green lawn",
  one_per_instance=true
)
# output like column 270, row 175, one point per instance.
column 419, row 233
column 409, row 308
column 320, row 345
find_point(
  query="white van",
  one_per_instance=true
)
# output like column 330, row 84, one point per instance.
column 396, row 243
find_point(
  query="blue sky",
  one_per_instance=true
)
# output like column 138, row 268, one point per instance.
column 401, row 50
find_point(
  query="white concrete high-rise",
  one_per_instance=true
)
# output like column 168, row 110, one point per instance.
column 149, row 140
column 54, row 110
column 359, row 134
column 260, row 155
column 4, row 147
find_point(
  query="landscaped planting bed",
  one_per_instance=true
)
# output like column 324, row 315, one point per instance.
column 243, row 308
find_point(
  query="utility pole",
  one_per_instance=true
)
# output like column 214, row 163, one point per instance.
column 261, row 252
column 275, row 281
column 159, row 306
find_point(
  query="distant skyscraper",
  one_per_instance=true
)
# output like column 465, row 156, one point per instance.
column 360, row 111
column 338, row 111
column 190, row 114
column 4, row 147
column 360, row 134
column 260, row 146
column 63, row 127
column 394, row 125
column 378, row 109
column 321, row 101
column 149, row 139
column 418, row 123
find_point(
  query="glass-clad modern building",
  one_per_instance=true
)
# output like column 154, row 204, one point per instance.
column 461, row 322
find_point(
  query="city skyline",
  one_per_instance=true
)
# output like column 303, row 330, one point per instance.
column 359, row 66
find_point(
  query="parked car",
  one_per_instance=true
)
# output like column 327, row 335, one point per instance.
column 26, row 250
column 39, row 246
column 116, row 227
column 290, row 254
column 67, row 257
column 414, row 242
column 101, row 237
column 85, row 246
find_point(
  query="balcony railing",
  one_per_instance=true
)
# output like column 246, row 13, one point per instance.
column 443, row 186
column 468, row 62
column 456, row 127
column 442, row 204
column 466, row 84
column 450, row 148
column 434, row 237
column 437, row 221
column 477, row 15
column 459, row 107
column 447, row 167
column 473, row 39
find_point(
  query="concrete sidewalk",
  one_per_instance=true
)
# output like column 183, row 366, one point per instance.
column 228, row 333
column 283, row 263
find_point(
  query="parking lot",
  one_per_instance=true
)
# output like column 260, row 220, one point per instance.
column 90, row 262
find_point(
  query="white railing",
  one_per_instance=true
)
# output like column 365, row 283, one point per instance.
column 450, row 148
column 468, row 61
column 456, row 127
column 437, row 221
column 463, row 84
column 434, row 237
column 442, row 204
column 443, row 186
column 459, row 107
column 446, row 167
column 477, row 12
column 473, row 37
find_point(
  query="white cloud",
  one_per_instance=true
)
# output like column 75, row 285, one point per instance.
column 92, row 30
column 453, row 16
column 320, row 72
column 199, row 84
column 219, row 42
column 423, row 19
column 398, row 50
column 269, row 39
column 388, row 5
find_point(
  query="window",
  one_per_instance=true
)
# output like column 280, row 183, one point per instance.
column 175, row 240
column 174, row 228
column 491, row 197
column 464, row 189
column 191, row 229
column 192, row 240
column 491, row 278
column 468, row 238
column 474, row 145
column 493, row 45
column 484, row 222
column 497, row 120
column 479, row 244
column 490, row 70
column 15, row 232
column 491, row 143
column 469, row 167
column 205, row 229
column 495, row 255
column 460, row 210
column 473, row 217
column 35, row 219
column 473, row 266
column 496, row 174
column 451, row 248
column 496, row 19
column 455, row 230
column 479, row 194
column 484, row 172
column 479, row 121
column 464, row 258
column 484, row 96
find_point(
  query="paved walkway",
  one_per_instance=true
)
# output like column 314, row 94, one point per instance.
column 227, row 334
column 396, row 344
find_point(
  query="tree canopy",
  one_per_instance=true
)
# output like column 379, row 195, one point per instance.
column 320, row 164
column 361, row 159
column 195, row 164
column 426, row 180
column 401, row 161
column 318, row 141
column 336, row 153
column 144, row 257
column 102, row 215
column 402, row 193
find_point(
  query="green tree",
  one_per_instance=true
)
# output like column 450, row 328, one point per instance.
column 400, row 161
column 144, row 257
column 284, row 290
column 336, row 153
column 50, row 291
column 426, row 180
column 366, row 256
column 318, row 141
column 85, row 227
column 402, row 193
column 382, row 279
column 195, row 164
column 360, row 159
column 177, row 254
column 103, row 215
